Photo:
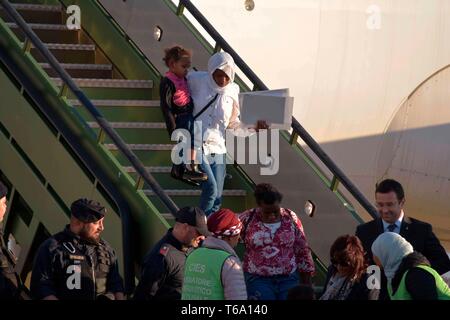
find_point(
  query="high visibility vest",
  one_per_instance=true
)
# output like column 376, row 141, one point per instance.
column 202, row 275
column 443, row 291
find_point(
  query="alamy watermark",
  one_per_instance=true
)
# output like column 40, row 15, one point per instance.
column 74, row 280
column 244, row 146
column 374, row 279
column 73, row 22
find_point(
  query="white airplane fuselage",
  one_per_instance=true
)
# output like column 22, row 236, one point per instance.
column 370, row 84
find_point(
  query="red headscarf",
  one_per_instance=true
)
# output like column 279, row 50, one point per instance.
column 224, row 223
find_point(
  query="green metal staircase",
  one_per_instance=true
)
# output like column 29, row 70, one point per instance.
column 131, row 106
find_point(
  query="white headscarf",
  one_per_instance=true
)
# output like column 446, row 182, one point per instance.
column 223, row 61
column 203, row 87
column 391, row 248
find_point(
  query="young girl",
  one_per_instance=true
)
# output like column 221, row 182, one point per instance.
column 177, row 105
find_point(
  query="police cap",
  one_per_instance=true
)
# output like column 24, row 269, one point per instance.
column 87, row 210
column 195, row 217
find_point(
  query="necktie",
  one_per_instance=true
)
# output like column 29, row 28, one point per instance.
column 391, row 227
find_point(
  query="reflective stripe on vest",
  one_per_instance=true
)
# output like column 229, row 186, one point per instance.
column 443, row 291
column 202, row 275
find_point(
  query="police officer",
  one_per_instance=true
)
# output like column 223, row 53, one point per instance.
column 163, row 267
column 76, row 264
column 9, row 280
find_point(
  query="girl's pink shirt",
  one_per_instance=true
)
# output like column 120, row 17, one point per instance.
column 182, row 96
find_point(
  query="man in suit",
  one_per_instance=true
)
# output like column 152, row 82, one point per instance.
column 390, row 199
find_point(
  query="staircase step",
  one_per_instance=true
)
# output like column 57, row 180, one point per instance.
column 77, row 70
column 178, row 192
column 136, row 133
column 237, row 204
column 37, row 7
column 119, row 103
column 41, row 26
column 132, row 125
column 48, row 32
column 70, row 46
column 143, row 147
column 35, row 13
column 166, row 181
column 80, row 66
column 160, row 169
column 109, row 83
column 68, row 53
column 123, row 110
column 117, row 93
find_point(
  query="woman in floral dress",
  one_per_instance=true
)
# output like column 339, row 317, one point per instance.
column 277, row 255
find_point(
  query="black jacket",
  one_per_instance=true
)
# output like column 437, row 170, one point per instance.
column 418, row 233
column 162, row 271
column 359, row 291
column 65, row 254
column 168, row 107
column 420, row 284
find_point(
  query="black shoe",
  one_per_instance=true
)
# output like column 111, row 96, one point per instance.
column 178, row 171
column 193, row 173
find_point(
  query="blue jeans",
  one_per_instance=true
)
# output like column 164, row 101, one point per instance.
column 270, row 288
column 215, row 167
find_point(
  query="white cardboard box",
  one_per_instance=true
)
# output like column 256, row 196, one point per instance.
column 273, row 106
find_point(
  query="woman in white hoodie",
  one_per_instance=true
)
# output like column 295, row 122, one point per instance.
column 216, row 109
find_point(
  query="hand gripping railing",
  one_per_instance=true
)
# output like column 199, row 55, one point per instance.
column 297, row 128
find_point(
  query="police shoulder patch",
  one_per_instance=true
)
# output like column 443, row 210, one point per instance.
column 164, row 250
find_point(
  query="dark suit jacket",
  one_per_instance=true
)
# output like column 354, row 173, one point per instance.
column 418, row 233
